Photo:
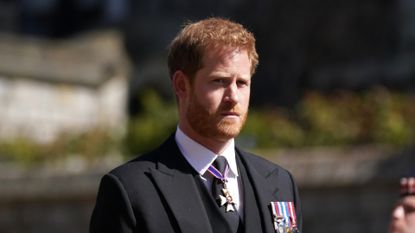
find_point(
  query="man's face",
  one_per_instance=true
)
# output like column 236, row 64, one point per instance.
column 217, row 104
column 403, row 216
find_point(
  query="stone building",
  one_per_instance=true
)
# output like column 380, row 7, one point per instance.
column 51, row 86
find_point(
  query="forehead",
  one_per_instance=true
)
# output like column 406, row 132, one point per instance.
column 221, row 54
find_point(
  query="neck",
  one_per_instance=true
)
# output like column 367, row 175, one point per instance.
column 214, row 145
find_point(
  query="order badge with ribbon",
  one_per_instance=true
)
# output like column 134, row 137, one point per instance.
column 284, row 217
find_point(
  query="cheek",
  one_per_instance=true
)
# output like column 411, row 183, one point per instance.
column 213, row 99
column 209, row 101
column 244, row 97
column 410, row 218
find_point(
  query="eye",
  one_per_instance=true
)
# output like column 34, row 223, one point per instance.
column 242, row 83
column 220, row 81
column 409, row 209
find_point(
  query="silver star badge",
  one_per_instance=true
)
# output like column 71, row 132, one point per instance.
column 227, row 200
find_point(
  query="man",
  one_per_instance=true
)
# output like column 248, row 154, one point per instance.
column 198, row 181
column 403, row 215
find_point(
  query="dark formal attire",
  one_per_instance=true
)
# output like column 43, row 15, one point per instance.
column 160, row 192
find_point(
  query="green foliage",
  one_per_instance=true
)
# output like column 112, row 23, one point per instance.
column 395, row 118
column 270, row 129
column 20, row 149
column 341, row 118
column 378, row 116
column 337, row 119
column 156, row 121
column 92, row 144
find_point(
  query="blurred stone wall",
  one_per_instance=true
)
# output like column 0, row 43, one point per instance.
column 52, row 86
column 46, row 200
column 342, row 191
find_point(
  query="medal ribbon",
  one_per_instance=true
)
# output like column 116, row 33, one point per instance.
column 217, row 174
column 285, row 210
column 225, row 199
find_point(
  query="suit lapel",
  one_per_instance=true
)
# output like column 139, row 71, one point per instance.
column 264, row 190
column 175, row 179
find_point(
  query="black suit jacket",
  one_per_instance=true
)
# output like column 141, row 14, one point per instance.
column 156, row 193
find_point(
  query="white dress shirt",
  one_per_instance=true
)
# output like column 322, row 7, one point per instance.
column 200, row 158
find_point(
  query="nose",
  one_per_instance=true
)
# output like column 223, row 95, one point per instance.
column 231, row 94
column 398, row 212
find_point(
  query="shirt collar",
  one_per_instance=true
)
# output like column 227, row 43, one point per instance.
column 200, row 158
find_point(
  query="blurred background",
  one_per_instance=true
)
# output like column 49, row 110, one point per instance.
column 84, row 86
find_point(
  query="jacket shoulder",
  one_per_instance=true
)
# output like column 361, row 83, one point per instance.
column 164, row 155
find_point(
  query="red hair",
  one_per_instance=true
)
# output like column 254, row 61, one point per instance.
column 188, row 47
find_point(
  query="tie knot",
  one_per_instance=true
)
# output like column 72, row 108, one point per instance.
column 220, row 163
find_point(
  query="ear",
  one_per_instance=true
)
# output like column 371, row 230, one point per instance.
column 181, row 84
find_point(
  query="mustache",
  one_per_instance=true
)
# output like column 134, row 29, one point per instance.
column 232, row 108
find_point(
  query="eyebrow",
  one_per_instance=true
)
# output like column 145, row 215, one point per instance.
column 223, row 74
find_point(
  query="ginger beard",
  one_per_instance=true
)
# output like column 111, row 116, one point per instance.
column 212, row 124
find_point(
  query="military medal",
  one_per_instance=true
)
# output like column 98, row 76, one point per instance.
column 284, row 217
column 225, row 199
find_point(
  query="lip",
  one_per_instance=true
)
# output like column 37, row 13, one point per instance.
column 231, row 114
